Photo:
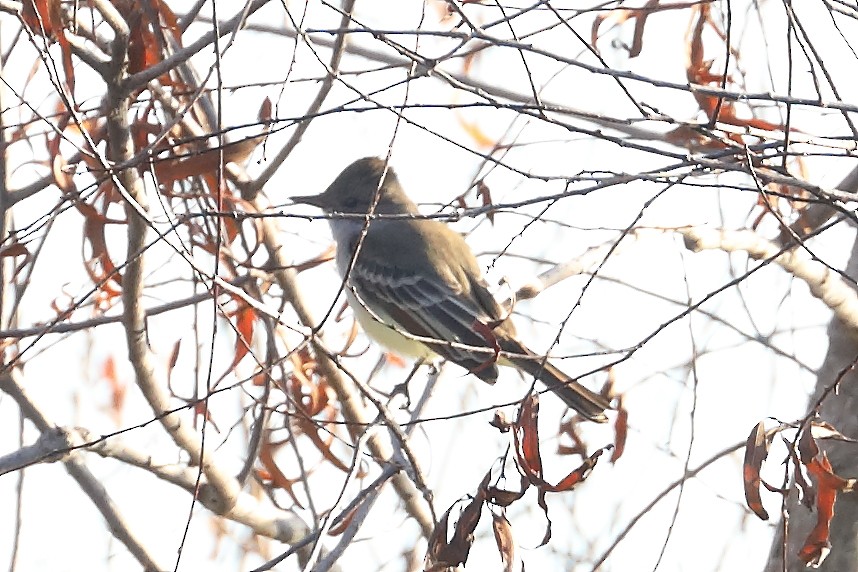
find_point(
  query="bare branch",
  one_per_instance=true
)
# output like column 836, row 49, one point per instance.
column 12, row 383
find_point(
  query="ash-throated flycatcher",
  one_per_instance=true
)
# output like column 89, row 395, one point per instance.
column 416, row 287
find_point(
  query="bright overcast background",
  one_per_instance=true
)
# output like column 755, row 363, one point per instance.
column 593, row 156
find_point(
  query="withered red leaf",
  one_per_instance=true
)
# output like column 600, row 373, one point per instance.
column 808, row 492
column 37, row 15
column 276, row 476
column 485, row 193
column 756, row 451
column 818, row 544
column 502, row 497
column 204, row 162
column 345, row 520
column 13, row 249
column 807, row 447
column 443, row 554
column 486, row 332
column 621, row 431
column 201, row 409
column 569, row 427
column 579, row 474
column 245, row 319
column 526, row 439
column 322, row 258
column 528, row 459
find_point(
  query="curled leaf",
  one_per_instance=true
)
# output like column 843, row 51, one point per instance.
column 756, row 451
column 500, row 422
column 528, row 459
column 443, row 554
column 818, row 543
column 504, row 540
column 621, row 431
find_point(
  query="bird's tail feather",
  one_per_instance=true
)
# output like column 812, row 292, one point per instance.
column 588, row 403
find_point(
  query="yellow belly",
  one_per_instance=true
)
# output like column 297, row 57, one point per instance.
column 387, row 336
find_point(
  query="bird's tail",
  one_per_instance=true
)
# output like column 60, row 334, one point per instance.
column 589, row 404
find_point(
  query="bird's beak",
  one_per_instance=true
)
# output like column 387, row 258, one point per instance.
column 314, row 200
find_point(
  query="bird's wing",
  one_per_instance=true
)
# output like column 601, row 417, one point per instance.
column 430, row 306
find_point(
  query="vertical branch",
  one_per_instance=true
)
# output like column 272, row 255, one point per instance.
column 349, row 396
column 840, row 412
column 6, row 286
column 116, row 110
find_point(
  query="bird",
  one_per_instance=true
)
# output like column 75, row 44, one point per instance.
column 416, row 287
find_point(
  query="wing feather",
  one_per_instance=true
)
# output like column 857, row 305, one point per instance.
column 428, row 307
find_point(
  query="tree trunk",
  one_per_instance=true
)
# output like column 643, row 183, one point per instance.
column 841, row 410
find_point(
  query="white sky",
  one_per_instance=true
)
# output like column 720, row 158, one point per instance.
column 740, row 382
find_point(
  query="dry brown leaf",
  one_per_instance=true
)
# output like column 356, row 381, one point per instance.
column 276, row 476
column 818, row 543
column 526, row 443
column 204, row 162
column 502, row 497
column 62, row 179
column 504, row 540
column 13, row 249
column 118, row 389
column 621, row 431
column 756, row 451
column 442, row 553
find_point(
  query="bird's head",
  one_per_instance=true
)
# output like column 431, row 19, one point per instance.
column 354, row 190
